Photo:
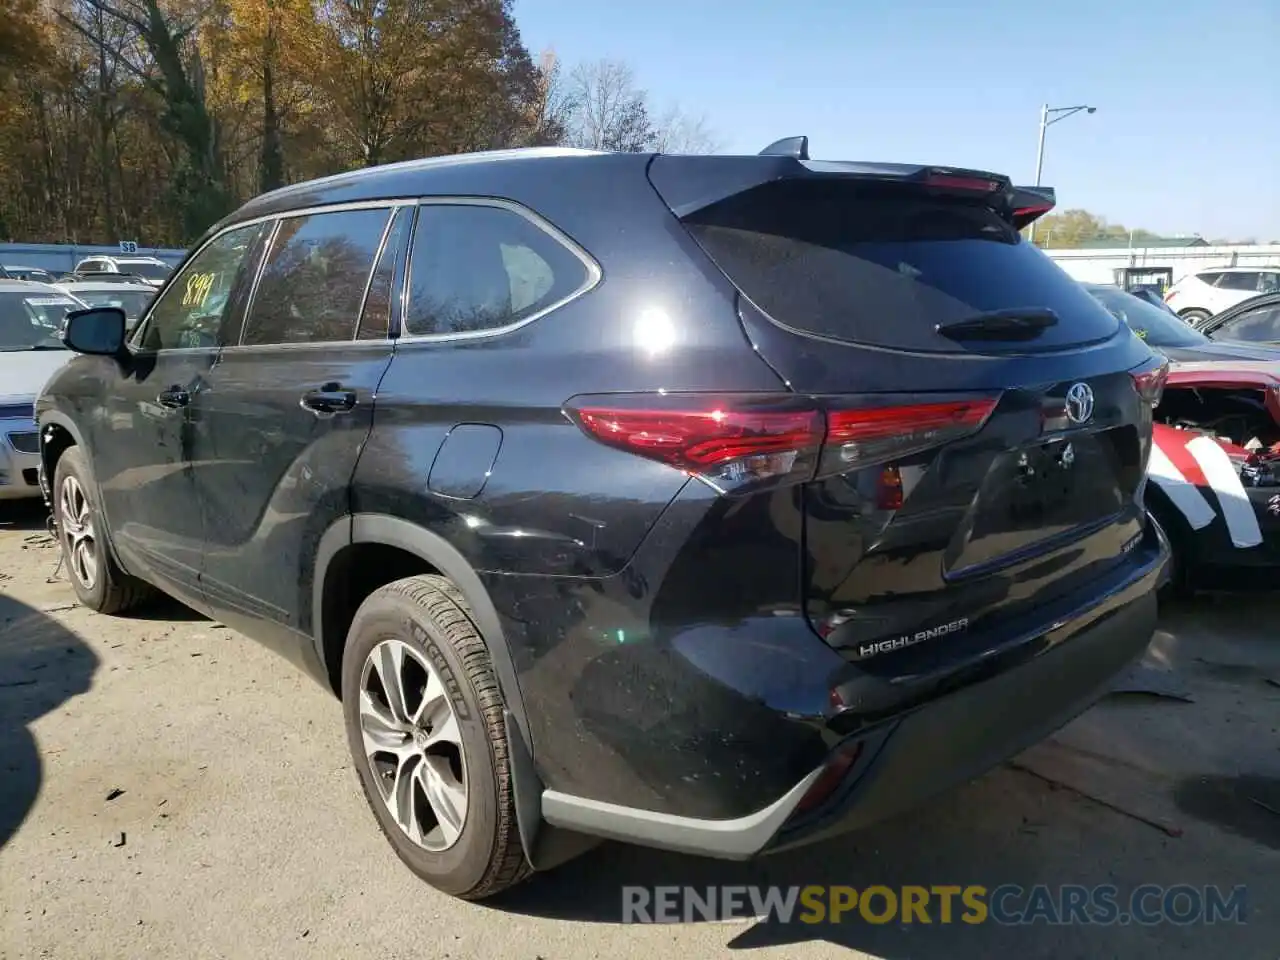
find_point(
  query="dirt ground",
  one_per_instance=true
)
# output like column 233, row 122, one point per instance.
column 240, row 830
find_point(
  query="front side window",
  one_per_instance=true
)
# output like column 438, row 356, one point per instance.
column 1268, row 282
column 314, row 278
column 191, row 311
column 476, row 267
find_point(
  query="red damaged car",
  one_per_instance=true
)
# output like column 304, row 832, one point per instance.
column 1215, row 467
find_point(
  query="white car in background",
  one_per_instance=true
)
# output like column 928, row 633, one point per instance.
column 1198, row 296
column 31, row 350
column 131, row 296
column 150, row 270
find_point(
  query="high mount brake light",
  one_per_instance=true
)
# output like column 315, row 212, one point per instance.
column 1149, row 380
column 951, row 181
column 738, row 443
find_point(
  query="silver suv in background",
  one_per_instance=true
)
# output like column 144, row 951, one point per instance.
column 150, row 270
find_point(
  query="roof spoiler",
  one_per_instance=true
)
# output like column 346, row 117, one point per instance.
column 692, row 183
column 1030, row 204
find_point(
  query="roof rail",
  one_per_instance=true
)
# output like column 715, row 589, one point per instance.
column 795, row 147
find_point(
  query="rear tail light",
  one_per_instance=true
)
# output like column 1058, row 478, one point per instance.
column 741, row 442
column 1149, row 380
column 860, row 436
column 889, row 495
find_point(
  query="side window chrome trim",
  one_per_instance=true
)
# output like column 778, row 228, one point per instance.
column 393, row 203
column 261, row 267
column 240, row 349
column 594, row 273
column 373, row 270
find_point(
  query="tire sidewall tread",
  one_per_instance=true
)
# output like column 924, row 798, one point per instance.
column 428, row 612
column 115, row 591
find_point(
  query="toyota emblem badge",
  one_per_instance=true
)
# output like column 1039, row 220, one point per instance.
column 1080, row 403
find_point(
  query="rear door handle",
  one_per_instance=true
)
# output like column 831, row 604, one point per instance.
column 328, row 400
column 175, row 396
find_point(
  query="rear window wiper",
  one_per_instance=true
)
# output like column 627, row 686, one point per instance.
column 1020, row 324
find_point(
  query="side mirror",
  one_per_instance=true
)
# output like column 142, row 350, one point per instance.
column 98, row 331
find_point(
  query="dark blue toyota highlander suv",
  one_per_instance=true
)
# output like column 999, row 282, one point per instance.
column 713, row 503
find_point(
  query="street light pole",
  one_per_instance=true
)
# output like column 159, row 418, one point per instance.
column 1044, row 125
column 1049, row 116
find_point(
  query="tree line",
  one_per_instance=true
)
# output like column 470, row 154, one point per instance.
column 151, row 119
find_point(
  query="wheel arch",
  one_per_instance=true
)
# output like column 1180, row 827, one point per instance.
column 58, row 432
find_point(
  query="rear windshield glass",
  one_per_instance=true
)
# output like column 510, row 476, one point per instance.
column 884, row 265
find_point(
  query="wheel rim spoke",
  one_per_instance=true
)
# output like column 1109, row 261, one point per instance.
column 380, row 731
column 413, row 744
column 80, row 548
column 404, row 806
column 445, row 731
column 448, row 798
column 433, row 698
column 390, row 672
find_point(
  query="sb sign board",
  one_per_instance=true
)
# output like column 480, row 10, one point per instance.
column 128, row 246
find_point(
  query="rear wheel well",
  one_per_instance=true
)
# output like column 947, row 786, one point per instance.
column 355, row 572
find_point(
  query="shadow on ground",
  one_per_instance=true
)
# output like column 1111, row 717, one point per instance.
column 42, row 665
column 29, row 515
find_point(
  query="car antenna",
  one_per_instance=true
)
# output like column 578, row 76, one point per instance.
column 794, row 147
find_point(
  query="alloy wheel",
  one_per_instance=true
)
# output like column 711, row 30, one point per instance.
column 79, row 539
column 413, row 745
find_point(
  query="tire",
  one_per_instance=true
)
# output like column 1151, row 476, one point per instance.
column 1195, row 317
column 422, row 624
column 98, row 581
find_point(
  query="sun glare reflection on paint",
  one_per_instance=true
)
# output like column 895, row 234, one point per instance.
column 654, row 332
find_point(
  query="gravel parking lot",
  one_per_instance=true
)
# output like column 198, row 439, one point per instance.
column 168, row 788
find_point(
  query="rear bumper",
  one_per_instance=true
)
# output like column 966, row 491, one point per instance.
column 960, row 736
column 1034, row 689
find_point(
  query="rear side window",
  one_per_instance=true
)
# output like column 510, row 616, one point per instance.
column 884, row 265
column 314, row 278
column 1239, row 281
column 476, row 267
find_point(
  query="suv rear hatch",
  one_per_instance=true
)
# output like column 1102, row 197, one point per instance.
column 987, row 421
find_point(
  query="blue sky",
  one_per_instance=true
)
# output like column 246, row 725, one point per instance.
column 1186, row 138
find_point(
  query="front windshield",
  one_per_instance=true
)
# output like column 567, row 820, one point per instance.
column 33, row 321
column 132, row 302
column 144, row 268
column 1157, row 327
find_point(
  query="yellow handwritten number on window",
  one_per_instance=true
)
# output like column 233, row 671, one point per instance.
column 197, row 290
